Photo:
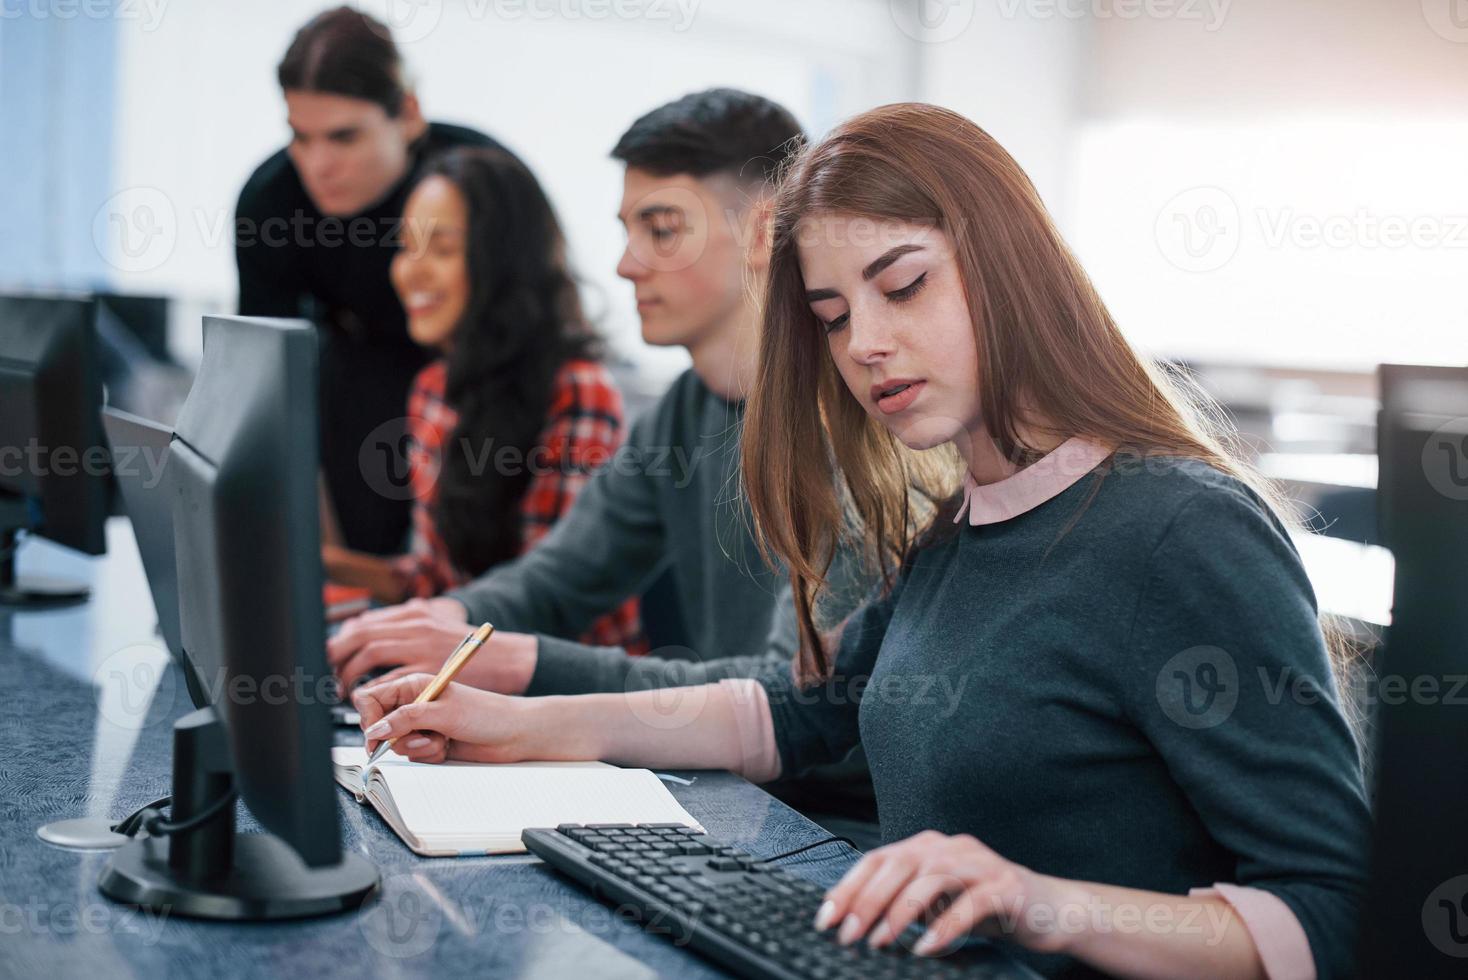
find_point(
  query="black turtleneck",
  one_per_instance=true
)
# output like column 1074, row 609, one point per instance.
column 296, row 262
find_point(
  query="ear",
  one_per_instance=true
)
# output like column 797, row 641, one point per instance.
column 410, row 117
column 760, row 215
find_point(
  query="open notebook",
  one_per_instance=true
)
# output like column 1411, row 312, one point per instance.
column 470, row 808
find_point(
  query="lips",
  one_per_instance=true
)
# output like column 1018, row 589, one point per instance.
column 896, row 394
column 416, row 304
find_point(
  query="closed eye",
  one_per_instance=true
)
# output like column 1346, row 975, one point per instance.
column 909, row 291
column 831, row 326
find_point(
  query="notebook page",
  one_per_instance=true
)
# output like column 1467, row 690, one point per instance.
column 476, row 801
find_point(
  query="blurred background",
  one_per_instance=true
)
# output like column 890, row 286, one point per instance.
column 1269, row 192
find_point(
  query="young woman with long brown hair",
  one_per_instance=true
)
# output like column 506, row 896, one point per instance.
column 1101, row 714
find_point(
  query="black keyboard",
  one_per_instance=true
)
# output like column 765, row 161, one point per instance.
column 747, row 916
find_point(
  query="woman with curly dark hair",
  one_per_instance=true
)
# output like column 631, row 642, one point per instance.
column 505, row 426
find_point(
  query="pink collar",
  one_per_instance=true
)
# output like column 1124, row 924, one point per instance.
column 1030, row 487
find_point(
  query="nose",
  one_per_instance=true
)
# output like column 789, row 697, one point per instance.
column 316, row 161
column 628, row 267
column 869, row 338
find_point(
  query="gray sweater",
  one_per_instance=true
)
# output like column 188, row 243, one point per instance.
column 1143, row 699
column 669, row 497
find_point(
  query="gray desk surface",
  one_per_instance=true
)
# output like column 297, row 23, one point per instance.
column 87, row 732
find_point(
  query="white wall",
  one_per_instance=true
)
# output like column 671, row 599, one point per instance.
column 1254, row 181
column 198, row 107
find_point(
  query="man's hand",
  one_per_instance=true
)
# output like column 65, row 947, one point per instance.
column 417, row 637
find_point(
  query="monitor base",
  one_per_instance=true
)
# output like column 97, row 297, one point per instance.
column 32, row 591
column 82, row 834
column 266, row 880
column 35, row 592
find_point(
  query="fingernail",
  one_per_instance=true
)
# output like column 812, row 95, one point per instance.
column 378, row 730
column 881, row 936
column 416, row 742
column 927, row 944
column 824, row 915
column 850, row 929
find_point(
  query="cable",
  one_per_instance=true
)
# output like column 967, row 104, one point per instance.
column 154, row 823
column 820, row 843
column 128, row 825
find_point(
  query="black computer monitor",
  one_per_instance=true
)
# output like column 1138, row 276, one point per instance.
column 53, row 460
column 242, row 478
column 139, row 450
column 1416, row 915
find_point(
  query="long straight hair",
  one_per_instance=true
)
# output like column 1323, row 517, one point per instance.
column 818, row 472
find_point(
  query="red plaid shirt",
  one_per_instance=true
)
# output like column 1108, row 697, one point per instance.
column 583, row 429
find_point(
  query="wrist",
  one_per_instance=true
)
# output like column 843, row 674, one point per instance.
column 1058, row 914
column 560, row 728
column 517, row 661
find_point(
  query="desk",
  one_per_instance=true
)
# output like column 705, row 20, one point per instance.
column 88, row 732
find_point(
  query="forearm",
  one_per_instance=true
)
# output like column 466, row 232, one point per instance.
column 703, row 727
column 565, row 667
column 361, row 570
column 1146, row 935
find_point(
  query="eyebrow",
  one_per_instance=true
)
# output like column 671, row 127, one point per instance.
column 890, row 256
column 652, row 211
column 869, row 273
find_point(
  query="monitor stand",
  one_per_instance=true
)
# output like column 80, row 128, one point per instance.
column 32, row 592
column 212, row 872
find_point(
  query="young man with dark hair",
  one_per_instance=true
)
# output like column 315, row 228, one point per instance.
column 694, row 205
column 315, row 230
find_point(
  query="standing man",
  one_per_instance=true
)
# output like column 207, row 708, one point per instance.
column 316, row 228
